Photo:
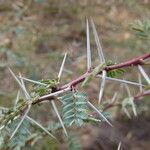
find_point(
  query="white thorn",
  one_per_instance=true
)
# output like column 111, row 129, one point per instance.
column 3, row 108
column 17, row 99
column 89, row 64
column 133, row 106
column 127, row 113
column 101, row 115
column 32, row 81
column 23, row 85
column 102, row 86
column 18, row 81
column 113, row 98
column 39, row 125
column 55, row 93
column 2, row 127
column 144, row 74
column 122, row 81
column 140, row 82
column 128, row 90
column 119, row 146
column 98, row 44
column 62, row 66
column 59, row 117
column 131, row 99
column 18, row 126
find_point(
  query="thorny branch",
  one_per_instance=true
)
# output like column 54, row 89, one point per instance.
column 129, row 63
column 70, row 86
column 139, row 96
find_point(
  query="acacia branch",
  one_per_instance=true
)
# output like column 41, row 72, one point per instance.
column 141, row 95
column 130, row 63
column 70, row 86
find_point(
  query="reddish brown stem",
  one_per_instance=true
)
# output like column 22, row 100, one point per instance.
column 129, row 63
column 137, row 97
column 142, row 94
column 111, row 105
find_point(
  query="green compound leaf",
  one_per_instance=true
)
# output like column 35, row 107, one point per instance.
column 22, row 135
column 142, row 29
column 46, row 88
column 116, row 73
column 74, row 108
column 129, row 102
column 95, row 71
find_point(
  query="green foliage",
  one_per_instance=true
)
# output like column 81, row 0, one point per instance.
column 142, row 29
column 74, row 108
column 11, row 114
column 116, row 73
column 8, row 116
column 95, row 71
column 129, row 103
column 46, row 88
column 92, row 120
column 32, row 32
column 21, row 136
column 50, row 82
column 74, row 143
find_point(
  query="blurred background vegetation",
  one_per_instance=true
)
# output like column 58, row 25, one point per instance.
column 35, row 34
